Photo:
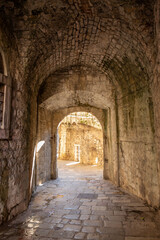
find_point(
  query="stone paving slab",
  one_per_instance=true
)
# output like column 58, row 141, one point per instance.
column 56, row 212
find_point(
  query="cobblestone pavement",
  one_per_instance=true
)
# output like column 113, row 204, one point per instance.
column 81, row 205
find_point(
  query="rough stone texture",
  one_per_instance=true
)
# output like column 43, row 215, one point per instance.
column 14, row 168
column 57, row 212
column 90, row 54
column 155, row 86
column 89, row 139
column 79, row 86
column 43, row 151
column 138, row 166
column 109, row 147
column 1, row 64
column 86, row 88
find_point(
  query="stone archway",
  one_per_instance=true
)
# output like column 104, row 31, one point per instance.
column 92, row 93
column 46, row 162
column 80, row 140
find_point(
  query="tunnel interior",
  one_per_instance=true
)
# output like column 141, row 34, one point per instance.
column 100, row 57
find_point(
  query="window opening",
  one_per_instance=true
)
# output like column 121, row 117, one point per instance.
column 1, row 64
column 5, row 98
column 1, row 104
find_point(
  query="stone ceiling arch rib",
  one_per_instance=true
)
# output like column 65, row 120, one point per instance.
column 77, row 86
column 73, row 68
column 73, row 99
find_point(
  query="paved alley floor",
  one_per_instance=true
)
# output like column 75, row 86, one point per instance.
column 81, row 205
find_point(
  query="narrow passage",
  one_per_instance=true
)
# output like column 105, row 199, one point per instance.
column 81, row 205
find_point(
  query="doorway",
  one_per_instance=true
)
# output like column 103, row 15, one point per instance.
column 75, row 136
column 80, row 140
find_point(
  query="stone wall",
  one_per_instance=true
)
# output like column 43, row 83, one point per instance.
column 78, row 86
column 43, row 150
column 14, row 163
column 137, row 162
column 85, row 88
column 155, row 86
column 89, row 139
column 129, row 124
column 107, row 58
column 109, row 148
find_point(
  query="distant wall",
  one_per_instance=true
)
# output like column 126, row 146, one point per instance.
column 89, row 139
column 138, row 166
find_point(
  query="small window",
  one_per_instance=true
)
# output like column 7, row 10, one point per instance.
column 1, row 104
column 1, row 64
column 5, row 98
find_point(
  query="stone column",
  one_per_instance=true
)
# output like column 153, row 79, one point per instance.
column 54, row 169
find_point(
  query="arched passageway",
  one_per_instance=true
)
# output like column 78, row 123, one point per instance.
column 59, row 57
column 46, row 158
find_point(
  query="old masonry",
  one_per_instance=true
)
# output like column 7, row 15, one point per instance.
column 67, row 58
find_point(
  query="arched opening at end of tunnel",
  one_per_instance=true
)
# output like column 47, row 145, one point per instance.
column 80, row 146
column 74, row 142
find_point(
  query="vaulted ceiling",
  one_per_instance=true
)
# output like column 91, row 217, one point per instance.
column 114, row 36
